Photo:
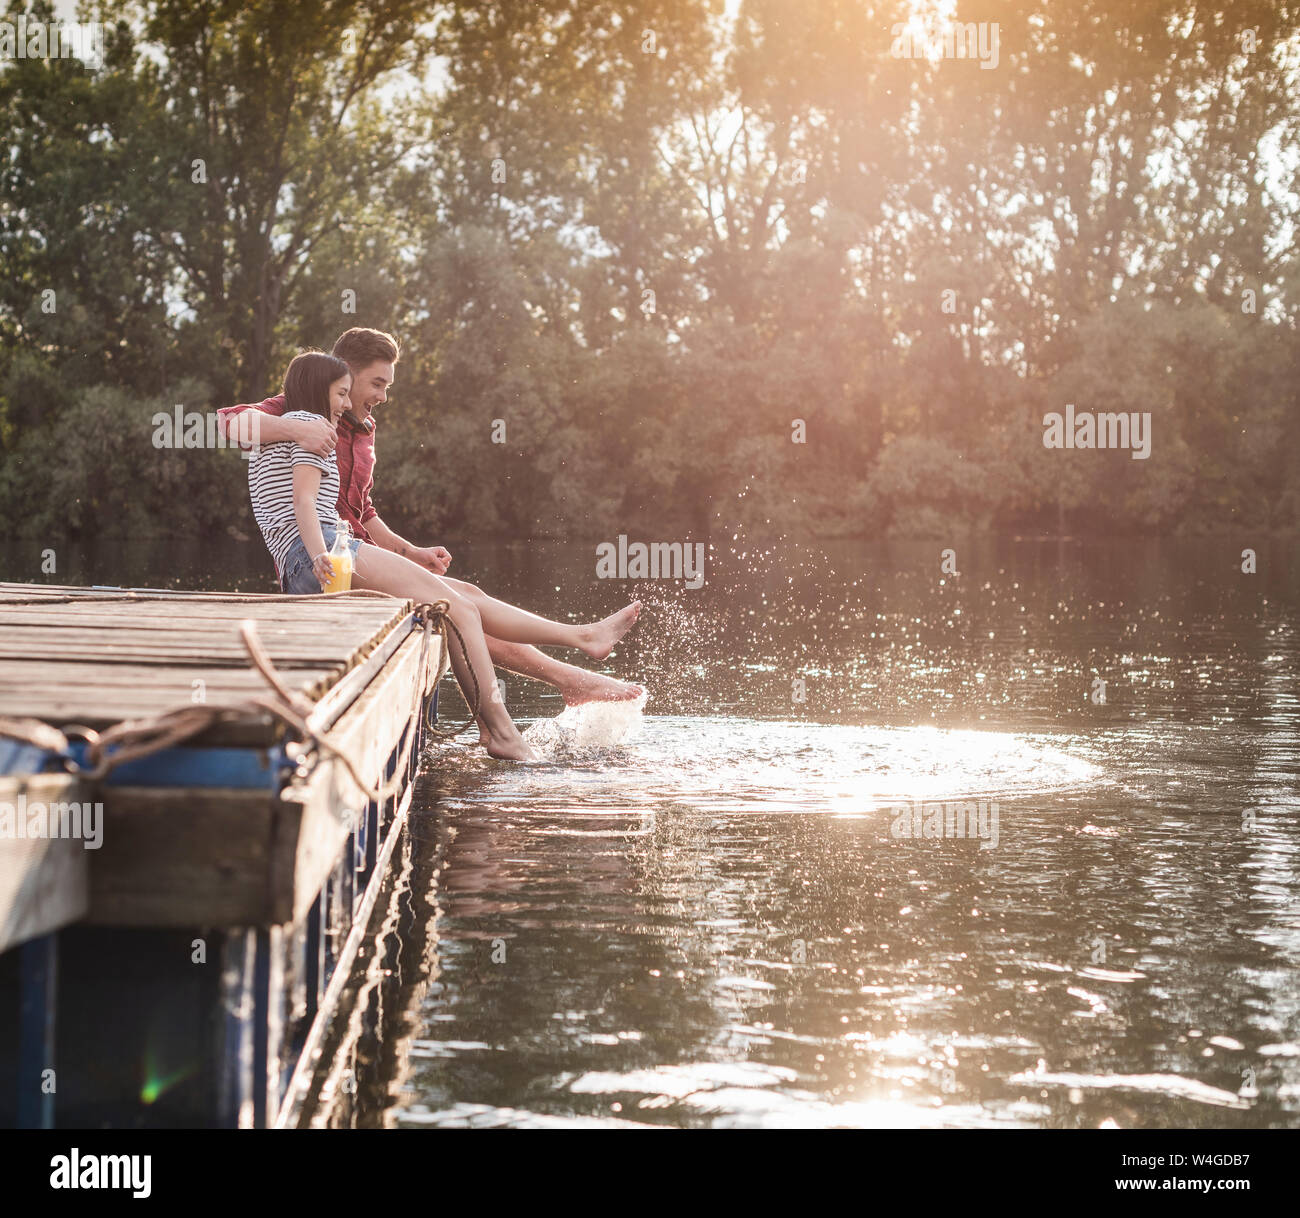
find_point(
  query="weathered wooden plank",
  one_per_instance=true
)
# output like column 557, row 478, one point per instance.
column 97, row 663
column 356, row 620
column 49, row 594
column 279, row 626
column 218, row 857
column 78, row 675
column 43, row 881
column 183, row 636
column 217, row 611
column 11, row 588
column 221, row 857
column 102, row 696
column 18, row 591
column 218, row 655
column 314, row 815
column 53, row 674
column 136, row 664
column 107, row 653
column 355, row 630
column 336, row 644
column 334, row 701
column 183, row 857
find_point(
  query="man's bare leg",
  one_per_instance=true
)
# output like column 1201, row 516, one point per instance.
column 506, row 621
column 576, row 685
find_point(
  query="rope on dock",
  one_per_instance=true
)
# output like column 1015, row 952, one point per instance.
column 134, row 739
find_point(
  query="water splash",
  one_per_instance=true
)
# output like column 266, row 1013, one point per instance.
column 591, row 726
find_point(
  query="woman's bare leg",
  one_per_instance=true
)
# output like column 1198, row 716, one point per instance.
column 515, row 625
column 576, row 685
column 387, row 572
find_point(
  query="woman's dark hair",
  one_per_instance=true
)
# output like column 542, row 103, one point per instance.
column 308, row 380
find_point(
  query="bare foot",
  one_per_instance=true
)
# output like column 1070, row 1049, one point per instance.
column 596, row 687
column 506, row 748
column 598, row 640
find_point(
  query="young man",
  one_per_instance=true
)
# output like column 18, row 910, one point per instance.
column 372, row 356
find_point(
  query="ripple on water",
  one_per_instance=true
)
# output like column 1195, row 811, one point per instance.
column 1171, row 1085
column 613, row 756
column 669, row 943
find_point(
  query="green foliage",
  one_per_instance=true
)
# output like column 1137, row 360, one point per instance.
column 647, row 240
column 95, row 471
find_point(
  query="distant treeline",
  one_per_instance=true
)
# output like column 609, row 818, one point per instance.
column 659, row 271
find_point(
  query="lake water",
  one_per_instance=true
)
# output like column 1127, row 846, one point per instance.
column 735, row 917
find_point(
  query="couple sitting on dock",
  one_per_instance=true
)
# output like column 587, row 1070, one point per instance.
column 313, row 463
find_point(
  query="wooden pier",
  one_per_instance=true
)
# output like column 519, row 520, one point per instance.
column 182, row 968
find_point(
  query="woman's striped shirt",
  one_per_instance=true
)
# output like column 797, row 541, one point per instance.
column 270, row 487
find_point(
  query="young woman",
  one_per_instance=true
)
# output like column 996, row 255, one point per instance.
column 295, row 493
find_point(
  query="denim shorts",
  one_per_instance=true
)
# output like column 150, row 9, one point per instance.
column 298, row 578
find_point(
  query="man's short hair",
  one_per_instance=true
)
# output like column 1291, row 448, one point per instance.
column 359, row 348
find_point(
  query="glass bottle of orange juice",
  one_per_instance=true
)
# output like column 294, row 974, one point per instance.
column 341, row 560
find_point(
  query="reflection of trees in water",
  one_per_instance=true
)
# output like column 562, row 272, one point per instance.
column 1271, row 797
column 933, row 971
column 365, row 1056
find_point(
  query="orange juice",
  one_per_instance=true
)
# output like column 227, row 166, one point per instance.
column 341, row 561
column 342, row 578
